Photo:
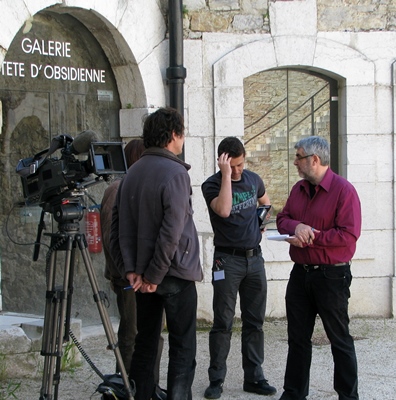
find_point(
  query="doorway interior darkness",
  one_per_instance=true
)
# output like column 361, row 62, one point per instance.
column 55, row 80
column 282, row 106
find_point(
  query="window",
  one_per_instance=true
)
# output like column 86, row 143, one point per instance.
column 281, row 107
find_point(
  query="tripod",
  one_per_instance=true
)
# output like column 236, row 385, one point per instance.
column 59, row 299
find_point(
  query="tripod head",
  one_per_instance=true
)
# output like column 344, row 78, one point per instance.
column 67, row 212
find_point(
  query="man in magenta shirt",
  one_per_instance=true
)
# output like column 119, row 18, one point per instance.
column 323, row 216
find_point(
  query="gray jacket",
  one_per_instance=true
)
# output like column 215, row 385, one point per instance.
column 157, row 234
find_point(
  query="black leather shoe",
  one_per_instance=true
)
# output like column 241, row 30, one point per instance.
column 214, row 390
column 261, row 387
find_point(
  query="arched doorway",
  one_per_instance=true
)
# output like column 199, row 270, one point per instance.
column 56, row 79
column 282, row 106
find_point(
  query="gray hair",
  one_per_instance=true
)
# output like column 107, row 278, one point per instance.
column 315, row 145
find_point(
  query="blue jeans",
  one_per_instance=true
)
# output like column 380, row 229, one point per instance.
column 323, row 291
column 179, row 299
column 246, row 276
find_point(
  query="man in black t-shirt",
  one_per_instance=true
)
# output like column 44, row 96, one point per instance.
column 232, row 195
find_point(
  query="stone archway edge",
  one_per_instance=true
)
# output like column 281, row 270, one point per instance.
column 129, row 35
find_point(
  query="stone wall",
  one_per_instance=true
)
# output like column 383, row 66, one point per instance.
column 356, row 15
column 247, row 16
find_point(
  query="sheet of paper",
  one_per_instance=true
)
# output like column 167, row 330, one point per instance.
column 278, row 238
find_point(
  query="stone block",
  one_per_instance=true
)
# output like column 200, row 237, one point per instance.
column 193, row 62
column 14, row 340
column 345, row 61
column 362, row 305
column 209, row 22
column 224, row 5
column 254, row 6
column 244, row 22
column 193, row 150
column 201, row 216
column 294, row 50
column 200, row 111
column 131, row 124
column 229, row 103
column 20, row 348
column 205, row 296
column 293, row 17
column 192, row 5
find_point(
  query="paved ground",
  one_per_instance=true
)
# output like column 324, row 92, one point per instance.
column 375, row 345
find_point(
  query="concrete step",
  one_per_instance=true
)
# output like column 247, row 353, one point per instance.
column 21, row 343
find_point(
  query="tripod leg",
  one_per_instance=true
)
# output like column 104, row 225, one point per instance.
column 54, row 322
column 99, row 299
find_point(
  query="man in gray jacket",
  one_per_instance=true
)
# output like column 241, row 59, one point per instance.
column 160, row 250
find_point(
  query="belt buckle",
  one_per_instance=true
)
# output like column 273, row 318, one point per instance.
column 308, row 267
column 250, row 253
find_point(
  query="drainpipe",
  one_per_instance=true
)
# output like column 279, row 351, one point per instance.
column 176, row 73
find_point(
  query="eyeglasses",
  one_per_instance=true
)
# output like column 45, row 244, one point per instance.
column 298, row 157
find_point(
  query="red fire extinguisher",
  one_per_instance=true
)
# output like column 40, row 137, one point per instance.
column 93, row 231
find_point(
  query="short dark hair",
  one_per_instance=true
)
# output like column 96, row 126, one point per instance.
column 232, row 146
column 158, row 127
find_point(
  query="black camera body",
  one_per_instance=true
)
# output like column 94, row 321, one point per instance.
column 46, row 180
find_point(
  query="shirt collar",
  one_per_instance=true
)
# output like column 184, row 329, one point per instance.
column 325, row 182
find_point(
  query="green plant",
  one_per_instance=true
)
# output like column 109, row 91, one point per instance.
column 185, row 11
column 7, row 388
column 129, row 106
column 8, row 392
column 3, row 367
column 68, row 362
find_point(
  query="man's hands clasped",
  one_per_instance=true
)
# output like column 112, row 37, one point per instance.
column 139, row 283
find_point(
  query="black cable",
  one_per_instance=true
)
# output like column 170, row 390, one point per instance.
column 115, row 389
column 85, row 355
column 9, row 235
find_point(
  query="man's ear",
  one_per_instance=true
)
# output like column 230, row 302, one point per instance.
column 317, row 159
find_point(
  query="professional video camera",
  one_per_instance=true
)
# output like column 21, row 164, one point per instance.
column 46, row 180
column 57, row 185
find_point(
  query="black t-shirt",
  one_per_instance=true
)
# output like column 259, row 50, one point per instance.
column 241, row 229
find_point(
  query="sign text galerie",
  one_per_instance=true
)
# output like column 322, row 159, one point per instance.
column 51, row 48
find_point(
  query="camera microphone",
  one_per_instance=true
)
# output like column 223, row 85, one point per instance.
column 82, row 143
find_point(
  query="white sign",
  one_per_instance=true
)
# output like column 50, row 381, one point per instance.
column 50, row 48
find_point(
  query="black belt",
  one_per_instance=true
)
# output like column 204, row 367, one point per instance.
column 239, row 252
column 310, row 267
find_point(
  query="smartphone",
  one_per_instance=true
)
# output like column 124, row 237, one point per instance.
column 262, row 212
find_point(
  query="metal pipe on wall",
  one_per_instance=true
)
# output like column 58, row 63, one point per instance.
column 176, row 73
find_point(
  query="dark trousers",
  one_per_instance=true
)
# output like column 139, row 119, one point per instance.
column 179, row 299
column 246, row 276
column 127, row 329
column 126, row 303
column 323, row 291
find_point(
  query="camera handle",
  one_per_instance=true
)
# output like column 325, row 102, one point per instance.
column 58, row 307
column 40, row 228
